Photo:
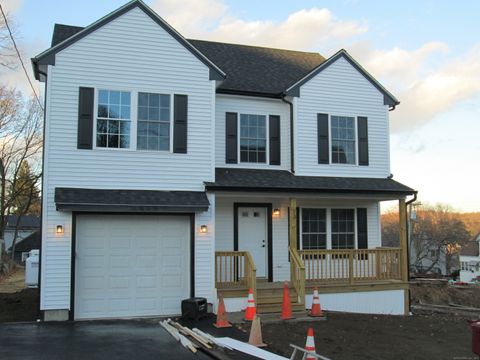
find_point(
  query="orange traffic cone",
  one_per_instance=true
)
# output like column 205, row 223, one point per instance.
column 286, row 304
column 310, row 345
column 251, row 309
column 222, row 321
column 316, row 310
column 255, row 338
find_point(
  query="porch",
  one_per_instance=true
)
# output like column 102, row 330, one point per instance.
column 331, row 271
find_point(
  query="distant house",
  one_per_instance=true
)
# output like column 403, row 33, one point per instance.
column 24, row 246
column 470, row 260
column 28, row 225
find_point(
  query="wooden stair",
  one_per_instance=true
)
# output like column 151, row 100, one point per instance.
column 270, row 298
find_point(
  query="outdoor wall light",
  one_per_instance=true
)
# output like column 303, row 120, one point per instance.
column 276, row 212
column 203, row 229
column 59, row 229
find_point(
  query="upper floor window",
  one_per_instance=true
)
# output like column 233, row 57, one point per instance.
column 343, row 140
column 113, row 119
column 153, row 128
column 253, row 138
column 343, row 228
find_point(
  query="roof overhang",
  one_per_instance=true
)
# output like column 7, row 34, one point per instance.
column 130, row 201
column 47, row 57
column 388, row 98
column 281, row 181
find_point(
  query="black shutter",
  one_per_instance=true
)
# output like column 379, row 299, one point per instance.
column 299, row 236
column 180, row 123
column 274, row 129
column 323, row 146
column 362, row 234
column 231, row 138
column 362, row 140
column 85, row 118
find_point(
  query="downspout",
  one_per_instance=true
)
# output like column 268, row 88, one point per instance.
column 292, row 151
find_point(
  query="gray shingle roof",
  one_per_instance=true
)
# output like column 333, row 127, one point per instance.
column 75, row 199
column 471, row 248
column 284, row 181
column 258, row 69
column 249, row 69
column 26, row 222
column 32, row 241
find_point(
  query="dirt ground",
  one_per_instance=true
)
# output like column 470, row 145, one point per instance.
column 358, row 336
column 16, row 302
column 444, row 294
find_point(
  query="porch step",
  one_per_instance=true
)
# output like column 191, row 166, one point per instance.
column 277, row 308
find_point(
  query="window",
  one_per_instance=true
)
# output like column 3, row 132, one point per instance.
column 343, row 228
column 343, row 140
column 253, row 139
column 314, row 229
column 153, row 128
column 113, row 119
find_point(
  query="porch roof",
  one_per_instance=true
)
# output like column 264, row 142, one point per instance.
column 231, row 179
column 141, row 201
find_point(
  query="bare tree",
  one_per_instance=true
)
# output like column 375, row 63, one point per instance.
column 20, row 143
column 436, row 235
column 8, row 55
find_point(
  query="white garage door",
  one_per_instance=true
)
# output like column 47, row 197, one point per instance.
column 131, row 265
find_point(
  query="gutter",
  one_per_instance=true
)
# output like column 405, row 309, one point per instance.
column 292, row 151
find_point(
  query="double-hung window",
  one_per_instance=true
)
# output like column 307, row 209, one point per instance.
column 113, row 119
column 314, row 228
column 343, row 228
column 253, row 138
column 343, row 140
column 153, row 128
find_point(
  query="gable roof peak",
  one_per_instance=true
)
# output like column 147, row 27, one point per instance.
column 47, row 57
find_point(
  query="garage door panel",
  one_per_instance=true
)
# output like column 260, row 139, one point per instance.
column 131, row 265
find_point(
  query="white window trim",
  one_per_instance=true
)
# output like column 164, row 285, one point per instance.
column 329, row 224
column 133, row 119
column 267, row 138
column 355, row 125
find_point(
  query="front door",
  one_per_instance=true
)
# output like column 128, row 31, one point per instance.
column 252, row 236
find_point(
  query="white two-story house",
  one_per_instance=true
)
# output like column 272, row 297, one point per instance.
column 177, row 168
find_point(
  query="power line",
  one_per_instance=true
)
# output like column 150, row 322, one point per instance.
column 20, row 58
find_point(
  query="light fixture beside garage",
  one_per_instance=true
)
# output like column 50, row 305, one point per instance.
column 59, row 230
column 276, row 212
column 203, row 229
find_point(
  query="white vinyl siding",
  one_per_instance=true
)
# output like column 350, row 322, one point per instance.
column 108, row 59
column 342, row 91
column 256, row 106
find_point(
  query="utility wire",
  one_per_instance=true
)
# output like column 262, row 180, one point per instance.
column 20, row 58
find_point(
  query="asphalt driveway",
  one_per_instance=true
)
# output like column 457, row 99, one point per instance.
column 117, row 340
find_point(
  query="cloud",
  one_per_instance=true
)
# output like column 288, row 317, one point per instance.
column 11, row 6
column 305, row 29
column 428, row 80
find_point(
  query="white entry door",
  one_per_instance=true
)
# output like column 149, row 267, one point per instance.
column 252, row 236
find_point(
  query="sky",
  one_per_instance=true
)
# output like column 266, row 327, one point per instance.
column 427, row 53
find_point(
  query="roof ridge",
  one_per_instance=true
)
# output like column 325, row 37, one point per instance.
column 260, row 47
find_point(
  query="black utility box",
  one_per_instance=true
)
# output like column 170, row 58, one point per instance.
column 194, row 308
